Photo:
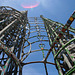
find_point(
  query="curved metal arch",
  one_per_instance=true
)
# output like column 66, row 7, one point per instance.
column 30, row 49
column 36, row 31
column 9, row 7
column 12, row 12
column 37, row 35
column 36, row 51
column 38, row 62
column 36, row 41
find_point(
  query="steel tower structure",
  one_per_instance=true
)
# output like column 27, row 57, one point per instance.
column 22, row 38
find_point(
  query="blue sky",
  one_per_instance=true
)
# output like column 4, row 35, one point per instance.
column 57, row 10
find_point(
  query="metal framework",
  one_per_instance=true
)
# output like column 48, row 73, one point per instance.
column 62, row 44
column 22, row 36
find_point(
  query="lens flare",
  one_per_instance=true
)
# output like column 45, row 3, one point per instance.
column 30, row 6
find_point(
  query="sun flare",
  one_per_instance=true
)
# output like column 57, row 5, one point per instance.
column 30, row 5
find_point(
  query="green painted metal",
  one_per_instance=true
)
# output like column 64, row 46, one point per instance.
column 58, row 35
column 16, row 35
column 6, row 67
column 70, row 71
column 64, row 47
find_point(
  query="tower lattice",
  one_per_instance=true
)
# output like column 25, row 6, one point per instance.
column 22, row 38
